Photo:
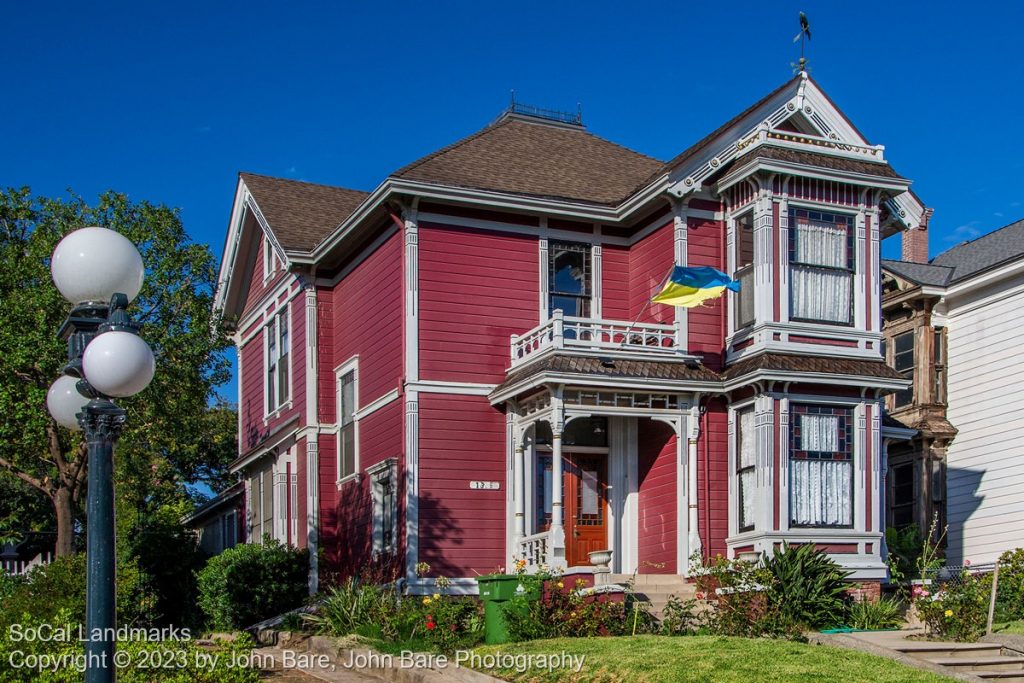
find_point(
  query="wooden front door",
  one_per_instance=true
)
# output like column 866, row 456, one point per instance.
column 586, row 507
column 585, row 497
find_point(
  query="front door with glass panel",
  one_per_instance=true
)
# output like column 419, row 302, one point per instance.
column 585, row 497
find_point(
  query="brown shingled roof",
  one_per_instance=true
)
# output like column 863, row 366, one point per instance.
column 591, row 366
column 816, row 364
column 821, row 160
column 540, row 159
column 301, row 214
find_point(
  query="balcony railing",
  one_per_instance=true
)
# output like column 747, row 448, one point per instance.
column 588, row 334
column 534, row 549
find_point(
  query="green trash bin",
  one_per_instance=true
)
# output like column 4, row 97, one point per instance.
column 495, row 591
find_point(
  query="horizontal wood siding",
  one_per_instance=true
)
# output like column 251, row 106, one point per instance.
column 705, row 324
column 477, row 288
column 713, row 478
column 615, row 302
column 367, row 322
column 658, row 522
column 985, row 463
column 649, row 262
column 257, row 287
column 462, row 439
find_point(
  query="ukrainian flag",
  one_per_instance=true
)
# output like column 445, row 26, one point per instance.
column 689, row 287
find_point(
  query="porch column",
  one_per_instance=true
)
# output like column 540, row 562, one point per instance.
column 557, row 521
column 519, row 528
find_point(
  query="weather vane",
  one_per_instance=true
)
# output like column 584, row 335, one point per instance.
column 803, row 37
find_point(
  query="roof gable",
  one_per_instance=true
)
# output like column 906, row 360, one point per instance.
column 300, row 214
column 525, row 156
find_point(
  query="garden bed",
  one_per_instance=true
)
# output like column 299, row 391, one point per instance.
column 707, row 658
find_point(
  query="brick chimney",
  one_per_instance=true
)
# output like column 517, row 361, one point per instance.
column 915, row 242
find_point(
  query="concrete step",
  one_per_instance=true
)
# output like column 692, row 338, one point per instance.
column 980, row 663
column 926, row 650
column 1001, row 676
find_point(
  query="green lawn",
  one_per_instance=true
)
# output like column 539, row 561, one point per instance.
column 708, row 658
column 1012, row 627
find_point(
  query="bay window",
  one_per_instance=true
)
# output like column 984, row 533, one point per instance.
column 821, row 466
column 278, row 381
column 746, row 457
column 744, row 273
column 821, row 266
column 903, row 363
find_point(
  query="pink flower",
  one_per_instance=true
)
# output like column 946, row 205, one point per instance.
column 967, row 563
column 700, row 596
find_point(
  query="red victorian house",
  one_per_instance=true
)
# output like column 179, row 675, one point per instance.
column 445, row 370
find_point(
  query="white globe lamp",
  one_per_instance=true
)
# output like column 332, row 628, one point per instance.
column 92, row 264
column 64, row 402
column 118, row 364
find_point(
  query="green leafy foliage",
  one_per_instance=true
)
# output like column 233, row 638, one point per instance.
column 808, row 587
column 549, row 607
column 956, row 609
column 59, row 587
column 1010, row 594
column 741, row 601
column 438, row 622
column 173, row 661
column 881, row 614
column 170, row 437
column 680, row 617
column 252, row 582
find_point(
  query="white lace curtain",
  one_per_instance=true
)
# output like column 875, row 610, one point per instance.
column 819, row 294
column 746, row 458
column 821, row 491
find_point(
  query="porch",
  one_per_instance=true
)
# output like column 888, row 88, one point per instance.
column 603, row 469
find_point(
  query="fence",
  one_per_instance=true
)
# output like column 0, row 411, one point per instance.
column 16, row 567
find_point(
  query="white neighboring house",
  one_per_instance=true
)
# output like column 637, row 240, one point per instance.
column 980, row 285
column 218, row 522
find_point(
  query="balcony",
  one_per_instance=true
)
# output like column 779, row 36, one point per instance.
column 651, row 341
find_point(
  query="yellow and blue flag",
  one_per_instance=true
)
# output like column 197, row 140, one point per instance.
column 689, row 287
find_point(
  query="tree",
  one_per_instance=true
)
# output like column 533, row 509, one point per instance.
column 167, row 431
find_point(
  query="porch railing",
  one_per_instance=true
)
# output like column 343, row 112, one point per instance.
column 16, row 567
column 534, row 549
column 565, row 332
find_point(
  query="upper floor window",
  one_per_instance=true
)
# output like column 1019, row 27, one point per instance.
column 744, row 241
column 746, row 457
column 903, row 362
column 821, row 258
column 347, row 461
column 278, row 388
column 939, row 342
column 270, row 260
column 569, row 286
column 821, row 466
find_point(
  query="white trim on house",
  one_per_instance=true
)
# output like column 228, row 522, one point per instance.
column 410, row 266
column 376, row 404
column 448, row 387
column 388, row 466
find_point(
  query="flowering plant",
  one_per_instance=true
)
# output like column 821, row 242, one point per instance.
column 958, row 609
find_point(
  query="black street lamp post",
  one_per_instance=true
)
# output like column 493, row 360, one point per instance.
column 106, row 359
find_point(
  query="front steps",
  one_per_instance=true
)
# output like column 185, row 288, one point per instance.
column 657, row 588
column 987, row 661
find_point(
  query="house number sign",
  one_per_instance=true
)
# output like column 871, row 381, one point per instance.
column 484, row 485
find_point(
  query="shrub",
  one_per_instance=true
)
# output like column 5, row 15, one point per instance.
column 958, row 609
column 808, row 587
column 563, row 611
column 680, row 617
column 740, row 602
column 1010, row 596
column 60, row 585
column 868, row 615
column 175, row 661
column 451, row 623
column 252, row 582
column 358, row 608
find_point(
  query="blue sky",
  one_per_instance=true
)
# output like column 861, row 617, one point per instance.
column 168, row 101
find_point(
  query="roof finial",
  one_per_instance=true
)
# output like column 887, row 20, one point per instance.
column 803, row 37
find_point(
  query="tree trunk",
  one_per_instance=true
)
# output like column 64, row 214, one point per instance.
column 65, row 522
